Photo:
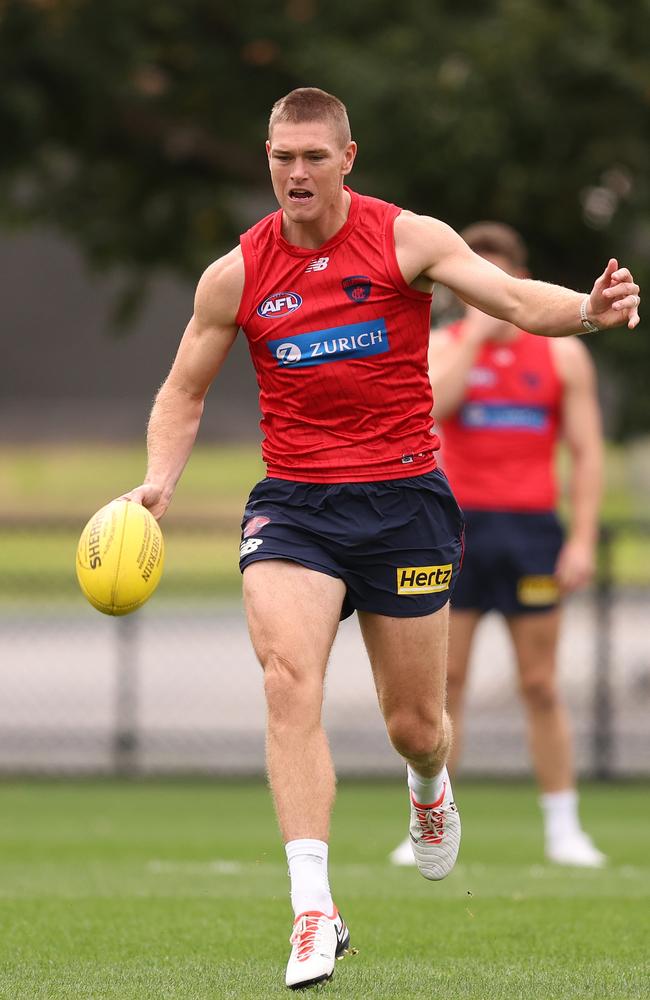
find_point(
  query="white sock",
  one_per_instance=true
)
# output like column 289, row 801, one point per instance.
column 560, row 811
column 310, row 888
column 425, row 790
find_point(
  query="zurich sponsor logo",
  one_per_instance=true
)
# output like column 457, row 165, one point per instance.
column 288, row 354
column 339, row 343
column 504, row 416
column 279, row 304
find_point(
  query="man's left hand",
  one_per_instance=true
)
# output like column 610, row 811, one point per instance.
column 576, row 565
column 614, row 299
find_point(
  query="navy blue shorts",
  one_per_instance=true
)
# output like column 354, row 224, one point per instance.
column 509, row 562
column 397, row 545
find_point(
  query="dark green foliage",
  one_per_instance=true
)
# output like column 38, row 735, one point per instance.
column 137, row 128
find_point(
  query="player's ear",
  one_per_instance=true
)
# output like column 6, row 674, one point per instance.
column 268, row 151
column 348, row 157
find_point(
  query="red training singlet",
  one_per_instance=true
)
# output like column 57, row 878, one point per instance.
column 498, row 449
column 339, row 343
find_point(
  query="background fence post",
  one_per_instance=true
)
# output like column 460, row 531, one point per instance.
column 125, row 738
column 603, row 736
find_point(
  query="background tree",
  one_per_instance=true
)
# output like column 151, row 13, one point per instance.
column 137, row 129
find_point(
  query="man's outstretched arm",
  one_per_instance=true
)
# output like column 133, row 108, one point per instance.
column 427, row 247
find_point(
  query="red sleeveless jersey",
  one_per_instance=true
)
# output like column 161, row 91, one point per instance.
column 339, row 343
column 498, row 449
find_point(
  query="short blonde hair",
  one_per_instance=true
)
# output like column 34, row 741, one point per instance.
column 309, row 104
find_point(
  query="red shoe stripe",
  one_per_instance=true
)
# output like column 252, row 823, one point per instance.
column 433, row 805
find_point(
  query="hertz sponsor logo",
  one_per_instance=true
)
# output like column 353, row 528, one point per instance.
column 423, row 579
column 537, row 591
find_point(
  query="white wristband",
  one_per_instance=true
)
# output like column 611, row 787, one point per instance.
column 586, row 323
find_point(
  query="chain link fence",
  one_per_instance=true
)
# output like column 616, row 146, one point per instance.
column 175, row 688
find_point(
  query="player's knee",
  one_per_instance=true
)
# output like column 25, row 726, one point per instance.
column 415, row 736
column 288, row 688
column 539, row 692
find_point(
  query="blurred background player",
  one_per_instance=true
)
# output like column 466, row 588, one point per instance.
column 503, row 399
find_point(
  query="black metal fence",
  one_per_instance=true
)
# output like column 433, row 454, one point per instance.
column 176, row 688
column 610, row 592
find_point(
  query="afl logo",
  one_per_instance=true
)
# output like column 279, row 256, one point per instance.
column 279, row 304
column 288, row 354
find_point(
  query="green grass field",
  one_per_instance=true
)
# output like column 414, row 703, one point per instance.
column 136, row 891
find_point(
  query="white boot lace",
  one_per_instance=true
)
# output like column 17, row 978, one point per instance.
column 432, row 824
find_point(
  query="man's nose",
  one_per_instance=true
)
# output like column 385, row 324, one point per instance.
column 299, row 171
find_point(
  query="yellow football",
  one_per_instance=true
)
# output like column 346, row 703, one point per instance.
column 120, row 557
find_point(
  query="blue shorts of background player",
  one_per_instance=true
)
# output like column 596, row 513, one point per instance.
column 397, row 544
column 509, row 562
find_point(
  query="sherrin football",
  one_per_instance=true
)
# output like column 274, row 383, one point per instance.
column 120, row 557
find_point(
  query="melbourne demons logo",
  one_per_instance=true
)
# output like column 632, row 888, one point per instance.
column 357, row 287
column 279, row 304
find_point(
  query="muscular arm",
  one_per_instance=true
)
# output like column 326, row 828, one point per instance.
column 178, row 407
column 451, row 359
column 427, row 248
column 582, row 432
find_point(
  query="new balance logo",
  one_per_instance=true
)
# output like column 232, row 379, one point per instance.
column 249, row 546
column 319, row 264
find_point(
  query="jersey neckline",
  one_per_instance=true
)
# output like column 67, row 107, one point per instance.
column 333, row 241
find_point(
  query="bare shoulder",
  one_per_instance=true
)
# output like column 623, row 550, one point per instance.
column 572, row 359
column 421, row 242
column 220, row 288
column 411, row 228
